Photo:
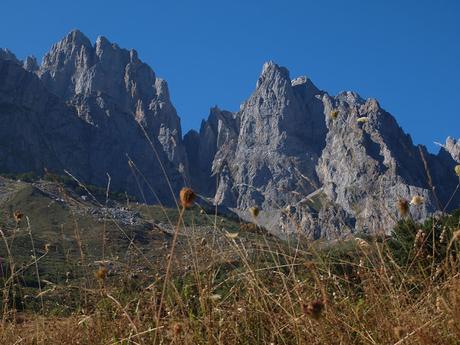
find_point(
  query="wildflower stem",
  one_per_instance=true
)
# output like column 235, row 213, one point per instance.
column 168, row 269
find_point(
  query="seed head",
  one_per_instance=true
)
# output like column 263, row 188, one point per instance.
column 417, row 200
column 403, row 207
column 419, row 238
column 362, row 244
column 187, row 196
column 18, row 215
column 362, row 119
column 231, row 235
column 177, row 329
column 101, row 273
column 254, row 211
column 442, row 237
column 457, row 170
column 215, row 297
column 313, row 309
column 399, row 332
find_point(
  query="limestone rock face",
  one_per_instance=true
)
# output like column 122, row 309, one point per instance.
column 131, row 129
column 111, row 76
column 218, row 134
column 322, row 165
column 280, row 135
column 369, row 164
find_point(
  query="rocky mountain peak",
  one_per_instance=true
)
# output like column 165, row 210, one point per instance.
column 30, row 64
column 77, row 38
column 6, row 54
column 272, row 75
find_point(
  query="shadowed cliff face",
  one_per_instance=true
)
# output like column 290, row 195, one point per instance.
column 106, row 96
column 324, row 165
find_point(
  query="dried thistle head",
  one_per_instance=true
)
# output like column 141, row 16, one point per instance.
column 362, row 244
column 313, row 309
column 403, row 207
column 254, row 211
column 177, row 329
column 17, row 215
column 187, row 197
column 334, row 113
column 457, row 170
column 101, row 273
column 417, row 200
column 400, row 332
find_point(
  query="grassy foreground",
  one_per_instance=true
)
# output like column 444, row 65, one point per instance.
column 71, row 276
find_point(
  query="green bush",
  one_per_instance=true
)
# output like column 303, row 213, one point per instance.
column 431, row 243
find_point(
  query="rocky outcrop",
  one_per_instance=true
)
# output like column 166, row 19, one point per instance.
column 369, row 164
column 453, row 148
column 218, row 134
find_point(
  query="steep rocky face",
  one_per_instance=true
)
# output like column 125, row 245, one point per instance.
column 280, row 137
column 110, row 102
column 38, row 130
column 109, row 75
column 326, row 166
column 369, row 164
column 218, row 133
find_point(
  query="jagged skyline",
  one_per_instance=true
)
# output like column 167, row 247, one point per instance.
column 330, row 160
column 381, row 51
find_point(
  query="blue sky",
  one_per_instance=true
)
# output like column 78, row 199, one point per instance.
column 404, row 53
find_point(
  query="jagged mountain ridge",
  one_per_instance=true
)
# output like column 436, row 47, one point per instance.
column 108, row 98
column 86, row 107
column 310, row 164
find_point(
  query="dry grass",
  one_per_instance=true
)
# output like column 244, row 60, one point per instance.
column 271, row 292
column 243, row 287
